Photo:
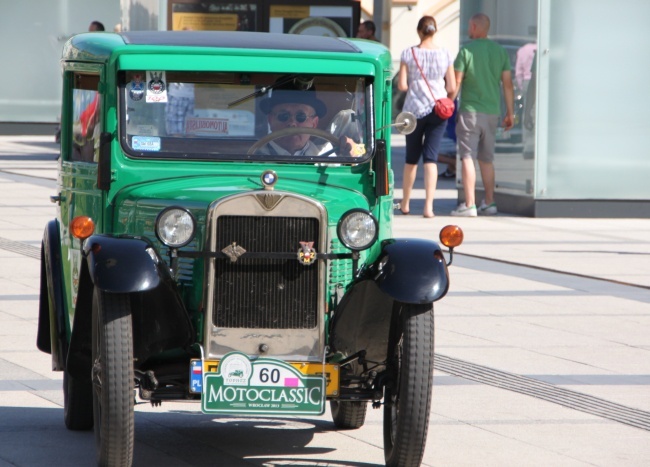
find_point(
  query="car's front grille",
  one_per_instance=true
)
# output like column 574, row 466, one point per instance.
column 265, row 292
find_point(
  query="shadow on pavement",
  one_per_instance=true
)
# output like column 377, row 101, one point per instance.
column 38, row 436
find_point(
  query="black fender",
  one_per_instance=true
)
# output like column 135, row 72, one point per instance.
column 129, row 265
column 122, row 264
column 52, row 329
column 362, row 322
column 412, row 270
column 408, row 271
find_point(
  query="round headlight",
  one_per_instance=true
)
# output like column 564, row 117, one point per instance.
column 357, row 229
column 175, row 227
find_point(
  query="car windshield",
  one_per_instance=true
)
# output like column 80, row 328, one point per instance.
column 251, row 116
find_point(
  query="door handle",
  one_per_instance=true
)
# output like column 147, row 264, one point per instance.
column 56, row 199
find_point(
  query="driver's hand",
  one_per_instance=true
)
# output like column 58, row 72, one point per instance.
column 347, row 147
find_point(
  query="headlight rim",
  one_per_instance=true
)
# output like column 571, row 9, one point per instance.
column 157, row 230
column 339, row 227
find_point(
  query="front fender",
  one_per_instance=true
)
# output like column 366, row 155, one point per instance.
column 412, row 271
column 52, row 329
column 122, row 264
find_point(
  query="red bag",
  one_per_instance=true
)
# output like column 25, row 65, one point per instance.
column 444, row 108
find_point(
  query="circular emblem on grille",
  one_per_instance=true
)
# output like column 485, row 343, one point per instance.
column 306, row 254
column 269, row 178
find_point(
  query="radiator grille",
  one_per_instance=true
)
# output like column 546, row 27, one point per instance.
column 262, row 292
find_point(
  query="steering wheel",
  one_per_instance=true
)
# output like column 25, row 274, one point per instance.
column 294, row 131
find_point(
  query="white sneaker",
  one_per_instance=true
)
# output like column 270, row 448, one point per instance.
column 487, row 210
column 463, row 211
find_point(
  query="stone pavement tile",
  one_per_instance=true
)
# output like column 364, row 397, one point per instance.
column 30, row 364
column 22, row 306
column 37, row 426
column 17, row 327
column 621, row 246
column 629, row 329
column 525, row 348
column 599, row 445
column 477, row 404
column 24, row 282
column 624, row 389
column 508, row 429
column 617, row 359
column 21, row 399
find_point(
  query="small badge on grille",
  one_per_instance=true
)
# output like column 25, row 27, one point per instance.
column 269, row 178
column 306, row 254
column 233, row 251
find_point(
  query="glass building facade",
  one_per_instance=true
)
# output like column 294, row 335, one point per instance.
column 577, row 148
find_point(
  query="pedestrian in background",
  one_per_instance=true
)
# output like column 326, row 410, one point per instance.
column 481, row 66
column 96, row 26
column 367, row 30
column 425, row 71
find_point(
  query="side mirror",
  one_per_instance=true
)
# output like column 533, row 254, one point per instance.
column 404, row 123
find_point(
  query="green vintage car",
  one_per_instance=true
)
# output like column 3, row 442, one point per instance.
column 224, row 235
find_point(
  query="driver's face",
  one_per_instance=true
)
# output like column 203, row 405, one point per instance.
column 290, row 116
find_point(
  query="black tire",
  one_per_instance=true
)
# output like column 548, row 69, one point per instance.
column 77, row 403
column 112, row 378
column 348, row 415
column 407, row 398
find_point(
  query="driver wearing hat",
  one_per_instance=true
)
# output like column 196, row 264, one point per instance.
column 293, row 104
column 289, row 106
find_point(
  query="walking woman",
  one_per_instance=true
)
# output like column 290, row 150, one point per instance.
column 430, row 62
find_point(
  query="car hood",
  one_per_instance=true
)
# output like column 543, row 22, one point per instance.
column 137, row 206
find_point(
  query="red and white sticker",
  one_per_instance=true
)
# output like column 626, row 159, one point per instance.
column 156, row 87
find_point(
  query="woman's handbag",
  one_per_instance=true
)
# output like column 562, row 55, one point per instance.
column 443, row 107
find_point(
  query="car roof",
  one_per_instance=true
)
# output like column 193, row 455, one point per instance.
column 240, row 40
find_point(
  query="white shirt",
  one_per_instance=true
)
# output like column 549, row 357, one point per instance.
column 434, row 64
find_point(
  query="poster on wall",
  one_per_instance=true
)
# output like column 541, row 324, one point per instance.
column 204, row 22
column 191, row 15
column 331, row 21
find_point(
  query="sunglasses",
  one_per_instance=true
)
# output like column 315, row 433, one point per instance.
column 300, row 117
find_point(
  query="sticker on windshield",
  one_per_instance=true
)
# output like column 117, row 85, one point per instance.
column 146, row 143
column 156, row 87
column 136, row 87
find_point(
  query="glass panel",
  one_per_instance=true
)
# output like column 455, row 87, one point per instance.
column 241, row 115
column 86, row 112
column 593, row 70
column 514, row 26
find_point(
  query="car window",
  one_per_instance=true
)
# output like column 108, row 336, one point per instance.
column 86, row 112
column 228, row 116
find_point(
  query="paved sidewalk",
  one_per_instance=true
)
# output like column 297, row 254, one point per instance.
column 613, row 249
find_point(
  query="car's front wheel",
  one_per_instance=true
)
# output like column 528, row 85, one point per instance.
column 112, row 378
column 407, row 397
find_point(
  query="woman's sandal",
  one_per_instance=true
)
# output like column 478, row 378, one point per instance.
column 402, row 212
